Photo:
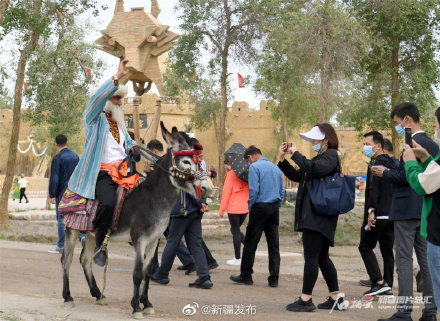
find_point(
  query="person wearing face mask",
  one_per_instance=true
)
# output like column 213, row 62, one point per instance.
column 376, row 226
column 235, row 197
column 424, row 178
column 318, row 231
column 406, row 210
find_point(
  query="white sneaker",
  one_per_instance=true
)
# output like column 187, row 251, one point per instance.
column 234, row 261
column 56, row 250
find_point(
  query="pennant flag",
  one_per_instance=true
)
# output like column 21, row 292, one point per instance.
column 240, row 80
column 88, row 73
column 25, row 85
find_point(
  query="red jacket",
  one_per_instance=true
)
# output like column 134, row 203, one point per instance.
column 235, row 195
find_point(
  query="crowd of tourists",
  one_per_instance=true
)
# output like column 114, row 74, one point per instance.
column 401, row 214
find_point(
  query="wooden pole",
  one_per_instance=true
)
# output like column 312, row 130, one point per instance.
column 156, row 120
column 136, row 120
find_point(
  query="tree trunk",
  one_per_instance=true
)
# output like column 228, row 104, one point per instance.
column 3, row 6
column 325, row 84
column 395, row 93
column 284, row 129
column 221, row 139
column 18, row 96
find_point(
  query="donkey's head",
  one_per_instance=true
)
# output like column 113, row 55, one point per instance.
column 186, row 171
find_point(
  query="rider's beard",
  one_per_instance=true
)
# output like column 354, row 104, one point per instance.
column 116, row 112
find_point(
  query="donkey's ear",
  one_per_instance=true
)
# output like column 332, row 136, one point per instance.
column 170, row 138
column 174, row 131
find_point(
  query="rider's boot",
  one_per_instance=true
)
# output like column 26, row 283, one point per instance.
column 100, row 256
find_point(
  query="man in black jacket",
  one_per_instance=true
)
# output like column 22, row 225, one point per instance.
column 376, row 226
column 406, row 210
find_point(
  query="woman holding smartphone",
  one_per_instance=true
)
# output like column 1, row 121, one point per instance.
column 318, row 231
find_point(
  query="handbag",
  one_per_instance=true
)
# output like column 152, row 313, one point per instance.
column 333, row 194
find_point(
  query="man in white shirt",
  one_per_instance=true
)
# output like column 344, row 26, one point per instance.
column 23, row 183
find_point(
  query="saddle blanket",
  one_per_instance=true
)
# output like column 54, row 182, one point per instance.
column 81, row 222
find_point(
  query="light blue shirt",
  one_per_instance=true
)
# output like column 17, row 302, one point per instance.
column 265, row 183
column 83, row 179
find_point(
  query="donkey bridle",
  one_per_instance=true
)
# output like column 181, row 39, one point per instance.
column 174, row 171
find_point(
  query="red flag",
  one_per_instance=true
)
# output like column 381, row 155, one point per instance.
column 88, row 73
column 25, row 85
column 240, row 80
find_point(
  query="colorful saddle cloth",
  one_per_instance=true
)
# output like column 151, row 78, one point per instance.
column 82, row 220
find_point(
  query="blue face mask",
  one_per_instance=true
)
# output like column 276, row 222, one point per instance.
column 368, row 151
column 437, row 139
column 399, row 129
column 317, row 148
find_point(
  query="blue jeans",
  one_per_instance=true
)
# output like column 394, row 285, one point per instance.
column 434, row 269
column 61, row 233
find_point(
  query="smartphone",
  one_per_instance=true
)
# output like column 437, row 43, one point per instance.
column 287, row 146
column 408, row 136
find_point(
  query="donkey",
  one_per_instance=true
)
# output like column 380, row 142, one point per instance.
column 144, row 217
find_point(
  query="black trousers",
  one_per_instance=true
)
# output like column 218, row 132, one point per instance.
column 384, row 234
column 105, row 192
column 263, row 217
column 316, row 257
column 22, row 194
column 191, row 228
column 236, row 220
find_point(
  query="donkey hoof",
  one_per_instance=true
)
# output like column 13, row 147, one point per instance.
column 69, row 304
column 149, row 310
column 138, row 315
column 101, row 301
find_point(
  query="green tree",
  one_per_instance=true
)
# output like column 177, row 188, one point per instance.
column 401, row 64
column 212, row 32
column 28, row 20
column 58, row 83
column 310, row 53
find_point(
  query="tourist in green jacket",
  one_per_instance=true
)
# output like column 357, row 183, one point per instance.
column 424, row 178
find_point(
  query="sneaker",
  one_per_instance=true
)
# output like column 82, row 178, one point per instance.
column 234, row 261
column 431, row 317
column 398, row 317
column 273, row 283
column 301, row 306
column 82, row 240
column 163, row 281
column 190, row 268
column 56, row 250
column 242, row 280
column 207, row 284
column 378, row 289
column 330, row 304
column 388, row 294
column 183, row 267
column 213, row 266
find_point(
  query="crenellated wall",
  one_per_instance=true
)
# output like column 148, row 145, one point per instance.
column 249, row 127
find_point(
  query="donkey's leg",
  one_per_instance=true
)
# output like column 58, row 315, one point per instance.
column 149, row 253
column 86, row 260
column 140, row 246
column 66, row 260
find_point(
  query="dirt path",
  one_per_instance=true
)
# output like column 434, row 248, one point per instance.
column 30, row 289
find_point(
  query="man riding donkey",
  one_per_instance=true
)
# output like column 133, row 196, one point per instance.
column 107, row 144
